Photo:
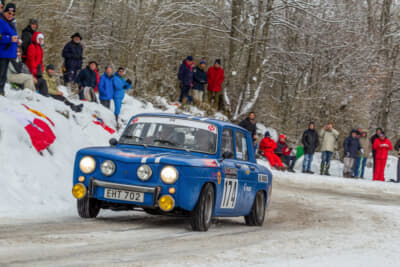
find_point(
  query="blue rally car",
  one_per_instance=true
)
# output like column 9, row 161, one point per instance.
column 175, row 165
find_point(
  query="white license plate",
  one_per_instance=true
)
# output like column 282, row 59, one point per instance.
column 125, row 195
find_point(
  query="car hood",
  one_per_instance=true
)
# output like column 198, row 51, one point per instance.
column 149, row 156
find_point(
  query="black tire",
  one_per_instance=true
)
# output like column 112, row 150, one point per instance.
column 257, row 213
column 88, row 207
column 203, row 212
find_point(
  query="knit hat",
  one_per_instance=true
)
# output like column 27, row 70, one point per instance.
column 33, row 21
column 267, row 134
column 203, row 62
column 10, row 7
column 76, row 35
column 92, row 61
column 218, row 61
column 50, row 67
column 282, row 136
column 190, row 58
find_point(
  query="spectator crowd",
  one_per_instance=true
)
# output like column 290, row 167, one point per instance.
column 21, row 64
column 357, row 148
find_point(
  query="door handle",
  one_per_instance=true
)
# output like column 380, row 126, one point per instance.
column 238, row 165
column 252, row 168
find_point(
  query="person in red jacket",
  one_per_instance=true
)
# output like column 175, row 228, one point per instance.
column 382, row 146
column 215, row 77
column 34, row 55
column 267, row 146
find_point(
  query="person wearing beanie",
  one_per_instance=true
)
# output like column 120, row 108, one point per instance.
column 216, row 77
column 267, row 147
column 185, row 76
column 87, row 81
column 50, row 77
column 367, row 148
column 329, row 138
column 351, row 147
column 285, row 153
column 73, row 58
column 9, row 42
column 199, row 81
column 26, row 36
column 34, row 55
column 382, row 146
column 310, row 141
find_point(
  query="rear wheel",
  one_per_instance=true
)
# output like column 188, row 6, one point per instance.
column 257, row 213
column 88, row 207
column 202, row 213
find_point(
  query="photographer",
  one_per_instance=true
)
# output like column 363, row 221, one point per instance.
column 329, row 138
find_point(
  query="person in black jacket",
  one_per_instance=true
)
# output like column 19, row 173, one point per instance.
column 310, row 142
column 375, row 136
column 352, row 147
column 73, row 56
column 26, row 36
column 199, row 80
column 87, row 81
column 250, row 125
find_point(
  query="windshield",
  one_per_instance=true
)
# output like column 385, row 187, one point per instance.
column 173, row 133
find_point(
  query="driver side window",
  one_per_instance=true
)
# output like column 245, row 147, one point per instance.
column 227, row 147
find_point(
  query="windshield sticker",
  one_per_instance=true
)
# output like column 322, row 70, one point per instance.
column 211, row 128
column 135, row 120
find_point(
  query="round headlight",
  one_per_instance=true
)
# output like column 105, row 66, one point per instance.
column 144, row 172
column 87, row 164
column 107, row 168
column 169, row 174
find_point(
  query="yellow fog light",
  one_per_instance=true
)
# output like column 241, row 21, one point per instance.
column 166, row 203
column 79, row 191
column 81, row 179
column 172, row 190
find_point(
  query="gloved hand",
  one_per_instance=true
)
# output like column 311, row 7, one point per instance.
column 129, row 81
column 347, row 154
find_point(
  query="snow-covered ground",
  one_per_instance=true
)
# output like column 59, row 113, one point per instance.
column 313, row 220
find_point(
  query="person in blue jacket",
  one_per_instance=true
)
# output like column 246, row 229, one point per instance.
column 185, row 76
column 199, row 80
column 106, row 87
column 8, row 42
column 120, row 85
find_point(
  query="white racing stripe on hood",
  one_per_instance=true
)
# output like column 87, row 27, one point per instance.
column 158, row 159
column 144, row 160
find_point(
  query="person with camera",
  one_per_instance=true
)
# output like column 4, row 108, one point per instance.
column 120, row 85
column 329, row 137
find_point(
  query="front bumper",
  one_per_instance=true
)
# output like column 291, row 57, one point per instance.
column 156, row 191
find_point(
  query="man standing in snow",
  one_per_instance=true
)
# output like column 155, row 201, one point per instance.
column 73, row 56
column 185, row 76
column 106, row 87
column 310, row 142
column 199, row 80
column 216, row 77
column 49, row 76
column 250, row 125
column 26, row 36
column 329, row 137
column 9, row 42
column 382, row 146
column 352, row 148
column 366, row 146
column 120, row 85
column 375, row 136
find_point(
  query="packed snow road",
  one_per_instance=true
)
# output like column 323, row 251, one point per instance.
column 311, row 222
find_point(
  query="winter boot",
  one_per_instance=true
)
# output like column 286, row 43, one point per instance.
column 322, row 172
column 327, row 169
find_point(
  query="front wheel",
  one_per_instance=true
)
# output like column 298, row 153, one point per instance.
column 202, row 213
column 88, row 207
column 257, row 213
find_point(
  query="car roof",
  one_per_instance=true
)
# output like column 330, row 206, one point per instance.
column 190, row 117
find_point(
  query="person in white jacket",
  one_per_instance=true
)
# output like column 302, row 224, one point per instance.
column 329, row 137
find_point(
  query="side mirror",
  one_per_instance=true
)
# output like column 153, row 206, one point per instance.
column 227, row 155
column 113, row 142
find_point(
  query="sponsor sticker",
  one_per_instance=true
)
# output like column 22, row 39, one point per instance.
column 210, row 163
column 211, row 128
column 130, row 155
column 135, row 120
column 262, row 178
column 219, row 177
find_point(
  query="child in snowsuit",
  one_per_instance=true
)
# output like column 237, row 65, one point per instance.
column 120, row 85
column 267, row 146
column 382, row 146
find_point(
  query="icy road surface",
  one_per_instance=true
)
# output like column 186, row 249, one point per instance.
column 311, row 222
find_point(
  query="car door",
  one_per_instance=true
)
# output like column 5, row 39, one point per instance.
column 247, row 171
column 228, row 198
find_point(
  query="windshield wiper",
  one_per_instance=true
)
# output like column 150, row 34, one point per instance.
column 164, row 142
